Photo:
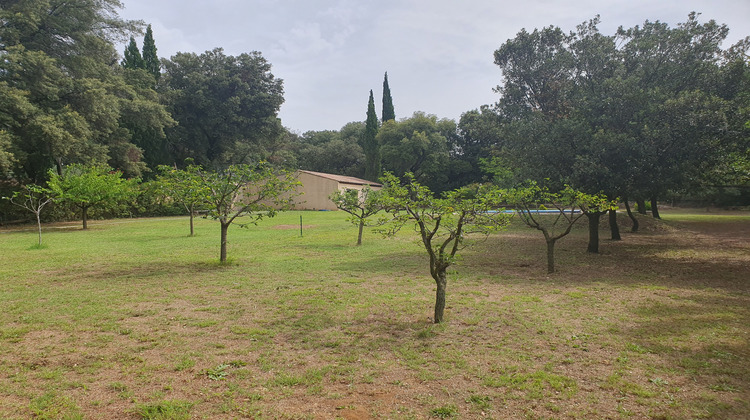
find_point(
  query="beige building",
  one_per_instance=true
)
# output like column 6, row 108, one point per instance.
column 317, row 187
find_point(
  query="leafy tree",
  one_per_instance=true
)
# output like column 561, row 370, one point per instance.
column 226, row 107
column 327, row 151
column 67, row 102
column 566, row 205
column 33, row 198
column 186, row 187
column 87, row 187
column 443, row 224
column 253, row 192
column 360, row 205
column 418, row 145
column 369, row 142
column 633, row 115
column 388, row 112
column 150, row 59
column 478, row 136
column 132, row 56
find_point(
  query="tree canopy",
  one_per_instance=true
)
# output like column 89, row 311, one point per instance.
column 226, row 107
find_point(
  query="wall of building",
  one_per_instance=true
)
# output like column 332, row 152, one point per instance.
column 315, row 192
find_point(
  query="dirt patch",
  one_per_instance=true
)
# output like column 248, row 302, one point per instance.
column 287, row 227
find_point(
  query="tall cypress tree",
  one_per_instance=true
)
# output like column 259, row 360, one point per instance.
column 133, row 59
column 388, row 112
column 150, row 59
column 370, row 144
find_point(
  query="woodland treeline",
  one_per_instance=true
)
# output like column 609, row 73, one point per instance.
column 648, row 113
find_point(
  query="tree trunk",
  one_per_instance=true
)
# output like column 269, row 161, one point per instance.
column 441, row 282
column 632, row 217
column 192, row 213
column 361, row 228
column 654, row 208
column 85, row 217
column 39, row 225
column 593, row 232
column 224, row 229
column 613, row 228
column 641, row 204
column 550, row 256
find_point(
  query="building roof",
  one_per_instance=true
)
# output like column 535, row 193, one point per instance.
column 343, row 179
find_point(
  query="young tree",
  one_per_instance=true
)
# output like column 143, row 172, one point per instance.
column 359, row 204
column 133, row 59
column 369, row 142
column 255, row 192
column 186, row 187
column 33, row 198
column 150, row 59
column 388, row 112
column 90, row 186
column 442, row 223
column 565, row 204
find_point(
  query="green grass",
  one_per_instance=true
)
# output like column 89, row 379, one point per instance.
column 135, row 318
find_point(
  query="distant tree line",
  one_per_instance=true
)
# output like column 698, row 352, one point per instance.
column 648, row 113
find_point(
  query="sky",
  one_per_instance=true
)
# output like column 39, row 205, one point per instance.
column 438, row 53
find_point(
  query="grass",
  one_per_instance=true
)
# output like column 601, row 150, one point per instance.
column 133, row 318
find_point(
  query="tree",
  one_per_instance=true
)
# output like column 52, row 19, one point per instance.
column 86, row 187
column 369, row 142
column 186, row 187
column 388, row 112
column 132, row 56
column 443, row 224
column 66, row 99
column 418, row 145
column 565, row 211
column 226, row 107
column 33, row 198
column 150, row 59
column 360, row 204
column 328, row 151
column 633, row 115
column 254, row 192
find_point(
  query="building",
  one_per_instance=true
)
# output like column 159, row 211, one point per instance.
column 317, row 187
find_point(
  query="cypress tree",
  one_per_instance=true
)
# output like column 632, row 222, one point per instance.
column 370, row 144
column 388, row 112
column 133, row 59
column 150, row 59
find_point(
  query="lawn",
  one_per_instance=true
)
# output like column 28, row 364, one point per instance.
column 134, row 319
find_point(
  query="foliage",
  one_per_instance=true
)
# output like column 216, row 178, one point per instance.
column 335, row 152
column 369, row 142
column 442, row 223
column 132, row 56
column 63, row 102
column 360, row 204
column 150, row 59
column 252, row 192
column 226, row 107
column 186, row 187
column 86, row 187
column 418, row 145
column 636, row 114
column 388, row 111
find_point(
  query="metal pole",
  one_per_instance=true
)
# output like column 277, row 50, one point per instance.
column 300, row 225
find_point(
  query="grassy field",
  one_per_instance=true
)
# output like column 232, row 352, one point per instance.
column 133, row 319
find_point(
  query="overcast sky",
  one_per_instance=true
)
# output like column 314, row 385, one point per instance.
column 438, row 53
